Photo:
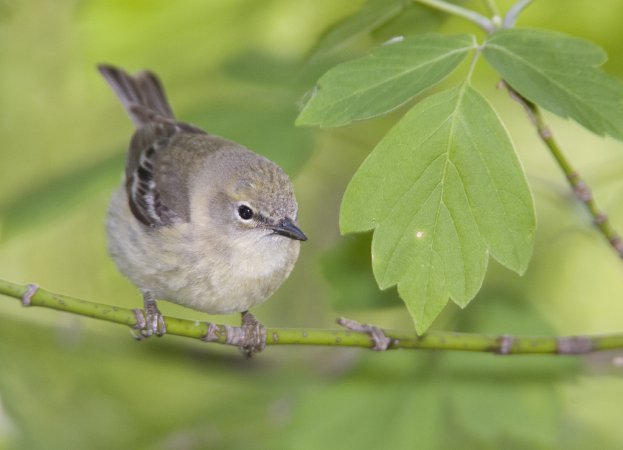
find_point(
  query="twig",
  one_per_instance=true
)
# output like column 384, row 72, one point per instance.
column 502, row 345
column 581, row 190
column 513, row 13
column 456, row 10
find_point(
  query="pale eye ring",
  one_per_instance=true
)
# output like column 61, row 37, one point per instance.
column 245, row 212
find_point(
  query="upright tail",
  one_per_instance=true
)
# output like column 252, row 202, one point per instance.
column 142, row 95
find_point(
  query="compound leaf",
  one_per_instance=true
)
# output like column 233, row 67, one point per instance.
column 441, row 190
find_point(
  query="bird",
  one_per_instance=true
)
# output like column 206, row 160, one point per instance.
column 198, row 220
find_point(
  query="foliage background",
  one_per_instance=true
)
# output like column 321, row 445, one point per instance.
column 237, row 69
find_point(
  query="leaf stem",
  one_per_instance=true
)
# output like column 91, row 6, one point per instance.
column 513, row 13
column 580, row 188
column 465, row 13
column 500, row 344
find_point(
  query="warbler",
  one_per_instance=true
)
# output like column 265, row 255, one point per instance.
column 198, row 220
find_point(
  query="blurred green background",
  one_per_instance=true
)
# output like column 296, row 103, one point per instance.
column 238, row 68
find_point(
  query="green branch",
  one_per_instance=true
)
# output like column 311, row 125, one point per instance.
column 500, row 344
column 581, row 190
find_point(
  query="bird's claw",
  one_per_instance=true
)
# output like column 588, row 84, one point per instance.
column 155, row 323
column 140, row 324
column 148, row 323
column 254, row 335
column 250, row 337
column 381, row 342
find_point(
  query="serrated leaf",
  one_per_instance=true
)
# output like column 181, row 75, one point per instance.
column 373, row 14
column 443, row 188
column 383, row 80
column 560, row 73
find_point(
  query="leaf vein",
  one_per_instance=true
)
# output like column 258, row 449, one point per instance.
column 357, row 94
column 554, row 81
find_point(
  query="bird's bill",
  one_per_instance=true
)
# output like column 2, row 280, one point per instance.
column 288, row 229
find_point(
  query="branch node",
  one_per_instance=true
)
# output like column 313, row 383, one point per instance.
column 380, row 341
column 505, row 344
column 573, row 177
column 573, row 345
column 617, row 243
column 31, row 289
column 600, row 219
column 545, row 132
column 582, row 191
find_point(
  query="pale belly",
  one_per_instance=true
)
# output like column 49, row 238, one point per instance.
column 176, row 265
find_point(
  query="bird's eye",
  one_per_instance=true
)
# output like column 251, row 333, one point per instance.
column 245, row 212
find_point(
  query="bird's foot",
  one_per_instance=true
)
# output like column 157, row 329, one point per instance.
column 155, row 324
column 149, row 322
column 140, row 324
column 250, row 337
column 380, row 341
column 254, row 335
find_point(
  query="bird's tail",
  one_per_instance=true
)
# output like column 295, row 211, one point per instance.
column 142, row 95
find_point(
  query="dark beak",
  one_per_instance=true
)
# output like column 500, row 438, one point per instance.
column 287, row 228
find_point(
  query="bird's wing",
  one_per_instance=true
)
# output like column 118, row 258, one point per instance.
column 156, row 177
column 155, row 168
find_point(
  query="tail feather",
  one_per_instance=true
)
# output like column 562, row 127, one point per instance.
column 142, row 95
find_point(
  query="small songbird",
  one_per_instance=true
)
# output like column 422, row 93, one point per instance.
column 198, row 220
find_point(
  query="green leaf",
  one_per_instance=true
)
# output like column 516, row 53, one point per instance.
column 560, row 73
column 443, row 188
column 372, row 15
column 383, row 80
